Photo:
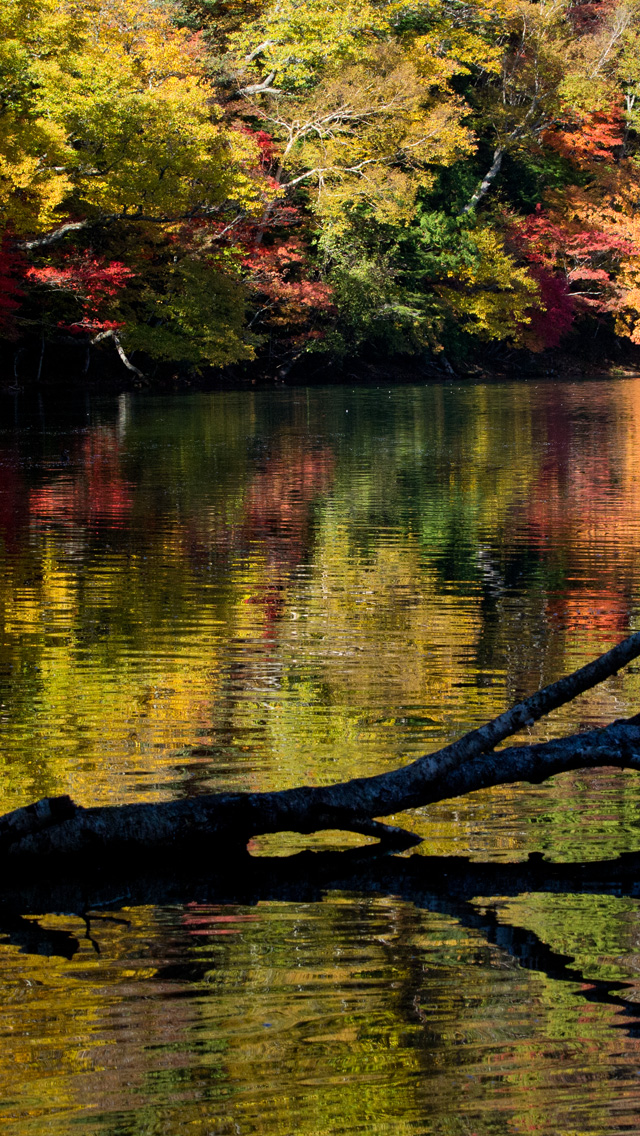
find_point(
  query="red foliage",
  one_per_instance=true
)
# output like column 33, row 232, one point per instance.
column 87, row 277
column 550, row 323
column 274, row 265
column 90, row 326
column 263, row 141
column 276, row 273
column 587, row 15
column 91, row 282
column 546, row 242
column 10, row 292
column 583, row 262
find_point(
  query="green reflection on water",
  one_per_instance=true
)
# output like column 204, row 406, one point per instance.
column 256, row 590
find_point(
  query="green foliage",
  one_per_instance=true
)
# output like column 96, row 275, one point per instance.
column 432, row 285
column 189, row 312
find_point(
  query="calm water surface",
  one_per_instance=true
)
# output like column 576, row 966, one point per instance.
column 257, row 590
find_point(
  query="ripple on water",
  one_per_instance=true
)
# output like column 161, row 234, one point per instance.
column 257, row 590
column 351, row 1015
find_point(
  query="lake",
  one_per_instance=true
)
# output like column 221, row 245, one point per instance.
column 259, row 589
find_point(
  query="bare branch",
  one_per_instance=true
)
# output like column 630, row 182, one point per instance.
column 486, row 183
column 319, row 171
column 127, row 362
column 55, row 235
column 213, row 237
column 258, row 50
column 260, row 88
column 110, row 219
column 621, row 22
column 517, row 133
column 111, row 334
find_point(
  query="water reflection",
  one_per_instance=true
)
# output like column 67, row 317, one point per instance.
column 256, row 590
column 401, row 1003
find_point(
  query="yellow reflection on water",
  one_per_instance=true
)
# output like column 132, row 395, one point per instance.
column 242, row 590
column 259, row 590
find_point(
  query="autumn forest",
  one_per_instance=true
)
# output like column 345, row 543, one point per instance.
column 278, row 512
column 194, row 184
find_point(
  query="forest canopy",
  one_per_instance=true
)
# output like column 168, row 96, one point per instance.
column 204, row 182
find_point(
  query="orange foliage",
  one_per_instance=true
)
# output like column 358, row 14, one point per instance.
column 589, row 137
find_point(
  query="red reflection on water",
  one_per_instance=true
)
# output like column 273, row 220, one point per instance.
column 202, row 921
column 603, row 614
column 575, row 510
column 278, row 516
column 94, row 492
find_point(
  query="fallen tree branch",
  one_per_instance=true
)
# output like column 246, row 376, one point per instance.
column 98, row 835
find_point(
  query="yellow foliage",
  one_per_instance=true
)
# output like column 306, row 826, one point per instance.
column 375, row 132
column 299, row 38
column 491, row 295
column 111, row 114
column 33, row 145
column 447, row 51
column 372, row 124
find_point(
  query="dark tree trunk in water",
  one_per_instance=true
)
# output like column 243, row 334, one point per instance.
column 37, row 838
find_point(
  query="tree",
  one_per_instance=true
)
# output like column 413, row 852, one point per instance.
column 112, row 146
column 345, row 177
column 33, row 147
column 126, row 95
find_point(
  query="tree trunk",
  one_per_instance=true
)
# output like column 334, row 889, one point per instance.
column 38, row 837
column 485, row 185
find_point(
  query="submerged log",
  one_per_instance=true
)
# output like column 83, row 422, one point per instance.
column 38, row 837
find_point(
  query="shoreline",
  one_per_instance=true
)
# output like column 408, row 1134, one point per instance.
column 107, row 377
